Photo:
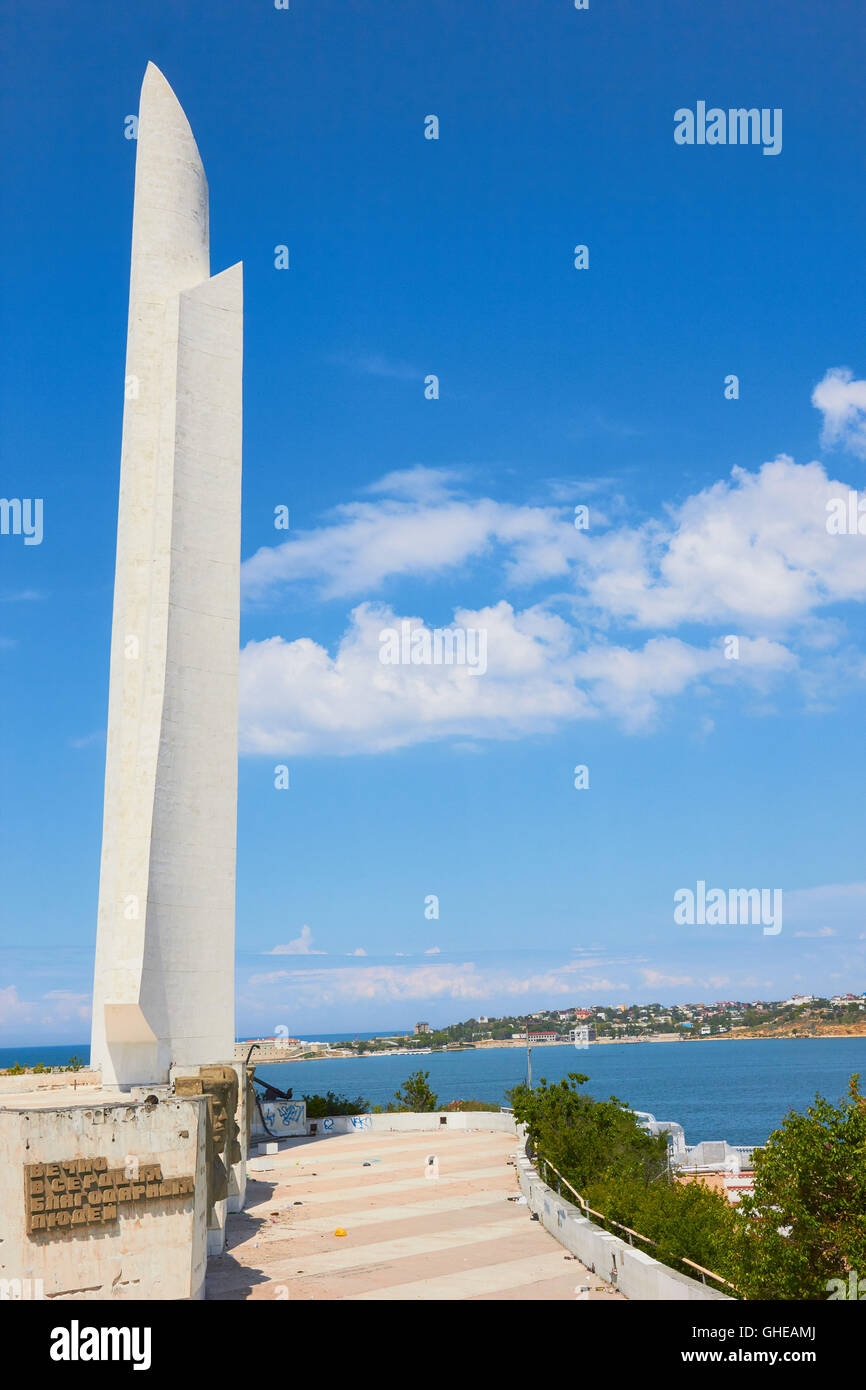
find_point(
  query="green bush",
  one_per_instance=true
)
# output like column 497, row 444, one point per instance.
column 803, row 1225
column 320, row 1106
column 805, row 1222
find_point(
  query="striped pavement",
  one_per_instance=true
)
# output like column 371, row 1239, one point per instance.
column 408, row 1236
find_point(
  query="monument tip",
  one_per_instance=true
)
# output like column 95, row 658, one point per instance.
column 158, row 104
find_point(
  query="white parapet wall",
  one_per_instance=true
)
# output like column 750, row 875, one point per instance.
column 501, row 1121
column 285, row 1119
column 633, row 1271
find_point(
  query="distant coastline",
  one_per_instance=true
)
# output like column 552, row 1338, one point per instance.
column 346, row 1055
column 56, row 1055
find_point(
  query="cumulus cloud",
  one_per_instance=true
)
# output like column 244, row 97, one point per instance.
column 842, row 402
column 753, row 550
column 298, row 699
column 301, row 946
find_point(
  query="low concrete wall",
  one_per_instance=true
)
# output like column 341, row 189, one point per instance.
column 635, row 1273
column 284, row 1119
column 499, row 1121
column 47, row 1081
column 405, row 1123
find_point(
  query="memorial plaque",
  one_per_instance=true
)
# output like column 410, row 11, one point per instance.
column 76, row 1193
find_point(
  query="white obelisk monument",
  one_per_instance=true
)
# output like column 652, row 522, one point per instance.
column 164, row 977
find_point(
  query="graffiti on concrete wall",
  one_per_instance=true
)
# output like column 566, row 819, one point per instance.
column 285, row 1116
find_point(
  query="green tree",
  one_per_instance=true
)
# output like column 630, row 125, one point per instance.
column 805, row 1222
column 586, row 1139
column 416, row 1094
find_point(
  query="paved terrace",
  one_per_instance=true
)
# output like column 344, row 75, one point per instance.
column 407, row 1236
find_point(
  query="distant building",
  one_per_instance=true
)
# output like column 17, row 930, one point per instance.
column 583, row 1034
column 543, row 1037
column 421, row 1028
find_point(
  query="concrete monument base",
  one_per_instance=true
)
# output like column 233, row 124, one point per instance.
column 103, row 1198
column 116, row 1197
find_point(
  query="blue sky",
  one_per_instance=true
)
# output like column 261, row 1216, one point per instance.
column 602, row 387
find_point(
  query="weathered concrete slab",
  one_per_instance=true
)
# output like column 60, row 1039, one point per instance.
column 408, row 1237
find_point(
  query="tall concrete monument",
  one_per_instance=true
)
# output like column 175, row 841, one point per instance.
column 118, row 1186
column 164, row 978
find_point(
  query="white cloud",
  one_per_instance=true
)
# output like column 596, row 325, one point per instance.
column 753, row 550
column 56, row 1006
column 298, row 699
column 12, row 1008
column 377, row 364
column 389, row 983
column 658, row 977
column 65, row 1004
column 421, row 529
column 86, row 740
column 301, row 946
column 749, row 556
column 842, row 402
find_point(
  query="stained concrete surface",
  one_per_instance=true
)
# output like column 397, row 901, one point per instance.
column 408, row 1236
